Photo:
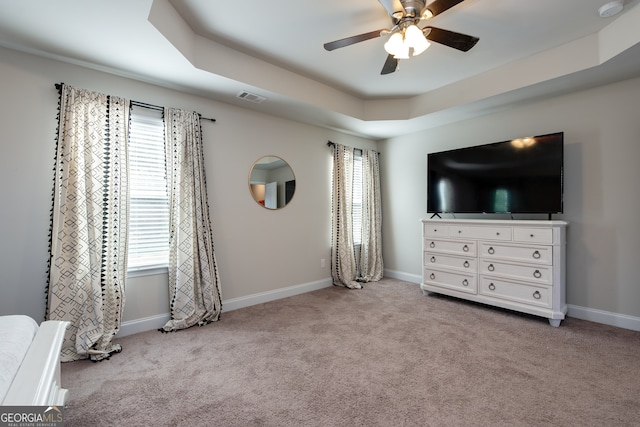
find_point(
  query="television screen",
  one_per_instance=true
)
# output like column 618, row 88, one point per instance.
column 523, row 175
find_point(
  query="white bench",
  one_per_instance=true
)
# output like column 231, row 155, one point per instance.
column 30, row 362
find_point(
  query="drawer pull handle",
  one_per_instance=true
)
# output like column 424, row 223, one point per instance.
column 432, row 276
column 433, row 259
column 497, row 233
column 492, row 287
column 465, row 248
column 491, row 251
column 536, row 255
column 537, row 295
column 459, row 231
column 537, row 274
column 465, row 282
column 432, row 244
column 491, row 267
column 466, row 264
column 531, row 235
column 435, row 230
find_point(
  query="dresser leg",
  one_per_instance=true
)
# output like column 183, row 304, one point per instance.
column 554, row 322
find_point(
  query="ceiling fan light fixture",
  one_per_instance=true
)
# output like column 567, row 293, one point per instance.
column 414, row 38
column 405, row 37
column 423, row 46
column 395, row 44
column 403, row 52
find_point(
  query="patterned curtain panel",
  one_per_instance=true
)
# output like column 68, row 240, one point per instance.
column 347, row 269
column 88, row 250
column 194, row 284
column 343, row 265
column 370, row 261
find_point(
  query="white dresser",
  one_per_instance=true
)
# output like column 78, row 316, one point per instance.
column 513, row 264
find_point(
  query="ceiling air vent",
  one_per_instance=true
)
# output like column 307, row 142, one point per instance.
column 257, row 99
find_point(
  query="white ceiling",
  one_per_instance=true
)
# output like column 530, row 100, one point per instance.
column 274, row 49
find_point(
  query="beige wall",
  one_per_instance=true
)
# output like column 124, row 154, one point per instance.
column 261, row 251
column 602, row 151
column 258, row 250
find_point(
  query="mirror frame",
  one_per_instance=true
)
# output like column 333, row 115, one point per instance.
column 285, row 181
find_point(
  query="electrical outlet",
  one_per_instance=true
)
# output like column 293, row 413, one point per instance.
column 322, row 263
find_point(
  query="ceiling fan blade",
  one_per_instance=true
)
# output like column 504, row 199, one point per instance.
column 390, row 65
column 439, row 6
column 392, row 6
column 452, row 39
column 348, row 41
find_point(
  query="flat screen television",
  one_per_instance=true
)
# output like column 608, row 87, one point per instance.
column 523, row 175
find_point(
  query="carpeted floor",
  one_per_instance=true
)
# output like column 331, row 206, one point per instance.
column 385, row 355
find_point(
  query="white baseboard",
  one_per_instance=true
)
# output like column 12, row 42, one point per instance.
column 584, row 313
column 155, row 322
column 262, row 297
column 604, row 317
column 413, row 278
column 142, row 325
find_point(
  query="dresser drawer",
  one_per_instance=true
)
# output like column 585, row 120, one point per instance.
column 533, row 235
column 492, row 233
column 533, row 254
column 433, row 259
column 519, row 292
column 536, row 273
column 451, row 280
column 435, row 230
column 459, row 247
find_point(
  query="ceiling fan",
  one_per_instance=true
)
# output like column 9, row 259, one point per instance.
column 406, row 36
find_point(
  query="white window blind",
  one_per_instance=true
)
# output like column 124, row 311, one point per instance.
column 356, row 209
column 149, row 203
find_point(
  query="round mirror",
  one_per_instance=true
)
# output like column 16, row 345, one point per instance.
column 271, row 182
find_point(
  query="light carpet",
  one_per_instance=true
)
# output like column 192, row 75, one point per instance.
column 386, row 355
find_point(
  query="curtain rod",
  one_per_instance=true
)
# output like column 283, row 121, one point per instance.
column 160, row 108
column 143, row 104
column 332, row 144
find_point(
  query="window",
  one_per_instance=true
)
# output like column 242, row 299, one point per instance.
column 356, row 199
column 149, row 201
